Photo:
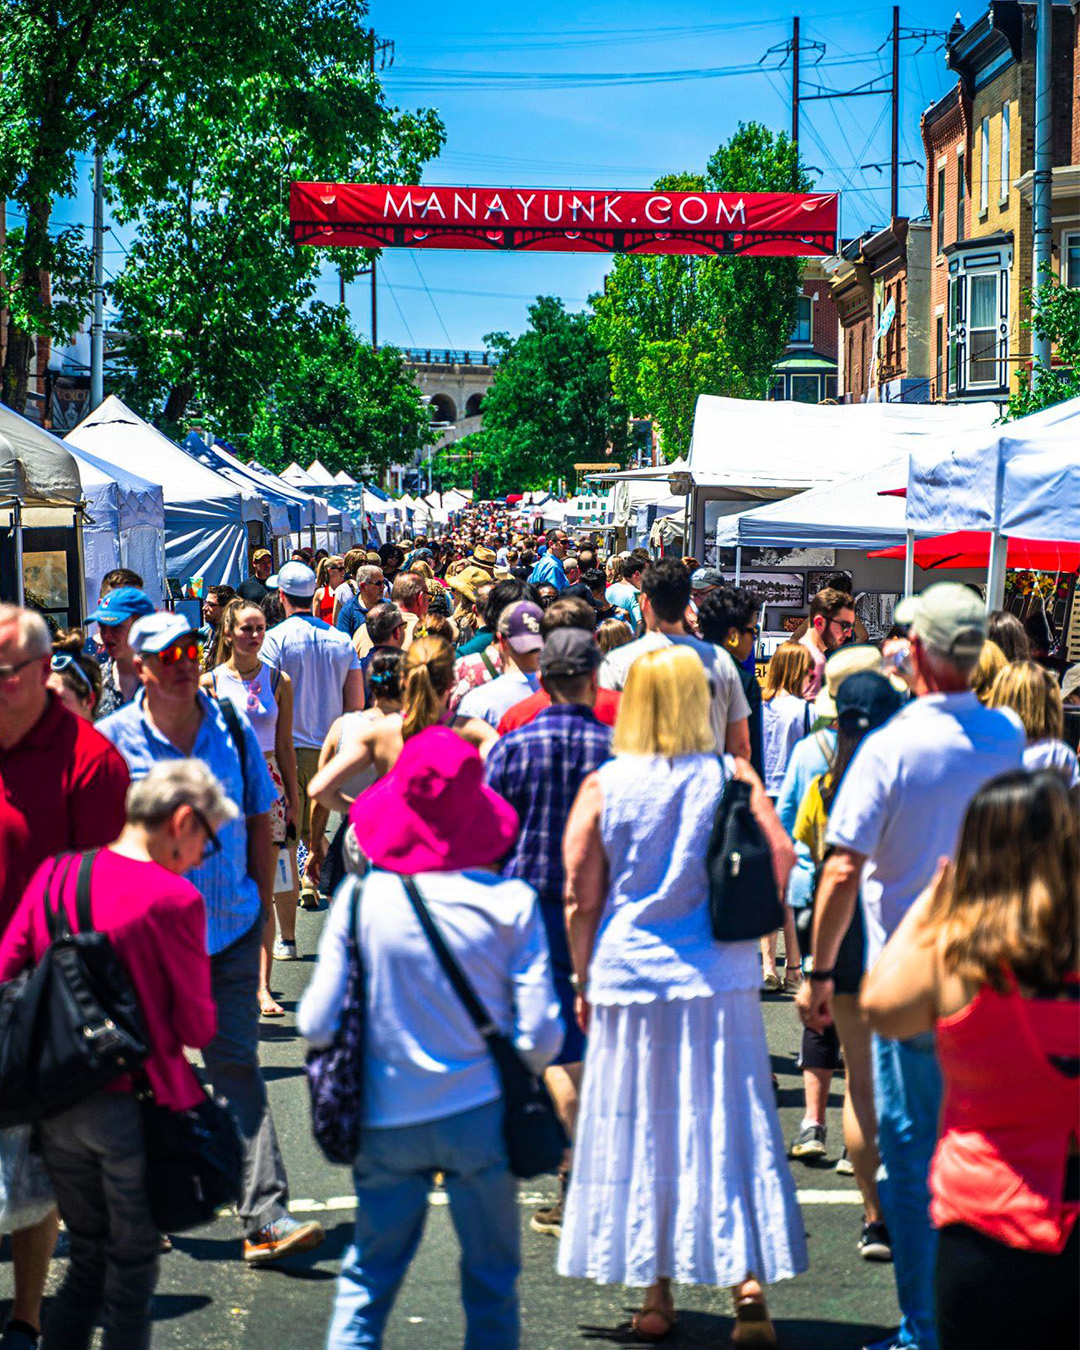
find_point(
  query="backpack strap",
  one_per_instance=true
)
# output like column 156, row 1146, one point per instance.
column 82, row 891
column 236, row 733
column 56, row 920
column 489, row 664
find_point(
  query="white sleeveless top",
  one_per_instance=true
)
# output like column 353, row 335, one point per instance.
column 255, row 698
column 655, row 940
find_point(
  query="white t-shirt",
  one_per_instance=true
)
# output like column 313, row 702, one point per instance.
column 903, row 799
column 317, row 658
column 491, row 700
column 346, row 591
column 1053, row 755
column 728, row 700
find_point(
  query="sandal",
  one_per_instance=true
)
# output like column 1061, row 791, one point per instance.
column 773, row 983
column 753, row 1325
column 268, row 1005
column 653, row 1336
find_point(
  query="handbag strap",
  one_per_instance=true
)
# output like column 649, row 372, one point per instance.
column 453, row 972
column 56, row 920
column 82, row 891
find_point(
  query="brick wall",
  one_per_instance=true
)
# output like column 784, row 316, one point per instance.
column 942, row 138
column 826, row 322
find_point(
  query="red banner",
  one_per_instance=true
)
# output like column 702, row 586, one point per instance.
column 380, row 215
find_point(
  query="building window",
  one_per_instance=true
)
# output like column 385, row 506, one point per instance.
column 956, row 312
column 978, row 331
column 940, row 209
column 1003, row 186
column 776, row 388
column 939, row 349
column 1070, row 259
column 982, row 330
column 803, row 333
column 984, row 164
column 805, row 388
column 961, row 187
column 830, row 386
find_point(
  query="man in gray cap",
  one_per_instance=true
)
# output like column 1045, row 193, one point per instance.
column 538, row 769
column 897, row 813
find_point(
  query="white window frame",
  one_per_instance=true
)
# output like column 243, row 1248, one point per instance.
column 1069, row 238
column 1005, row 154
column 984, row 164
column 958, row 328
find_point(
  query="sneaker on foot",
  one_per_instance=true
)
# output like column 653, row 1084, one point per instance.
column 284, row 951
column 809, row 1142
column 283, row 1237
column 874, row 1244
column 844, row 1165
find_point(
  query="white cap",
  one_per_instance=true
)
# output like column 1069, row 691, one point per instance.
column 295, row 578
column 154, row 632
column 947, row 617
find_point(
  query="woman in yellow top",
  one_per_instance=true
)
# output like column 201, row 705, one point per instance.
column 863, row 703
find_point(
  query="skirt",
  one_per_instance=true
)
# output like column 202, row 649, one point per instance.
column 679, row 1165
column 277, row 809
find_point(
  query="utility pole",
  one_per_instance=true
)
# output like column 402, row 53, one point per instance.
column 1041, row 232
column 374, row 308
column 795, row 84
column 97, row 328
column 894, row 197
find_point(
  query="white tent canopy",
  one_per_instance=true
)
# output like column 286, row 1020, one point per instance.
column 36, row 467
column 206, row 516
column 319, row 474
column 1040, row 494
column 124, row 526
column 299, row 477
column 344, row 479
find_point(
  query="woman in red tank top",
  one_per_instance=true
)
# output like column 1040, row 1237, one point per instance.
column 330, row 576
column 989, row 956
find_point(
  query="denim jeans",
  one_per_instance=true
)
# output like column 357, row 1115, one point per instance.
column 907, row 1095
column 393, row 1172
column 95, row 1157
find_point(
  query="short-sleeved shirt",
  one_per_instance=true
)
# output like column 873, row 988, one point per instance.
column 62, row 787
column 490, row 701
column 812, row 756
column 549, row 572
column 521, row 714
column 904, row 796
column 728, row 700
column 626, row 598
column 351, row 615
column 317, row 658
column 786, row 720
column 1053, row 755
column 253, row 589
column 232, row 897
column 470, row 672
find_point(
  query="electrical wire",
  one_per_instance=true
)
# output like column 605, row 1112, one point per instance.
column 434, row 306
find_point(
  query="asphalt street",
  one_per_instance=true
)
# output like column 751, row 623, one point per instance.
column 208, row 1298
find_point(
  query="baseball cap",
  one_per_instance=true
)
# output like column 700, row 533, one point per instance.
column 569, row 651
column 947, row 617
column 705, row 578
column 261, row 553
column 296, row 579
column 865, row 701
column 126, row 602
column 520, row 625
column 154, row 632
column 1070, row 681
column 839, row 667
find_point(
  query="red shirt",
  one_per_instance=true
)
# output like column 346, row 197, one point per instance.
column 157, row 924
column 61, row 787
column 521, row 714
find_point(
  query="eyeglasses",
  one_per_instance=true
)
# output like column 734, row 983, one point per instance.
column 180, row 651
column 9, row 672
column 213, row 843
column 64, row 662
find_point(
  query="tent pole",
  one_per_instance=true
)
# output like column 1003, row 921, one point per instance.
column 738, row 563
column 686, row 525
column 995, row 572
column 20, row 590
column 909, row 563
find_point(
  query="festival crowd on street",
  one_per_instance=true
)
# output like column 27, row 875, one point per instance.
column 566, row 832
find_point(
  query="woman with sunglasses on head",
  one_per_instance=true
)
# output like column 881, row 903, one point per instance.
column 265, row 696
column 94, row 1150
column 74, row 676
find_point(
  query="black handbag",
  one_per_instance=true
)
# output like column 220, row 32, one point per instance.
column 73, row 1024
column 744, row 901
column 336, row 1075
column 534, row 1135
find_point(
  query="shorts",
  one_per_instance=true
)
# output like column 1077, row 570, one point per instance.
column 573, row 1047
column 820, row 1049
column 307, row 765
column 277, row 810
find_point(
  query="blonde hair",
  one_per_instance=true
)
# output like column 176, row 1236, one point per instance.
column 1033, row 694
column 992, row 660
column 665, row 706
column 612, row 633
column 787, row 671
column 230, row 616
column 334, row 560
column 429, row 671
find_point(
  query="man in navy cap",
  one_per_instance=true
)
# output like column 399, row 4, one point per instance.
column 116, row 611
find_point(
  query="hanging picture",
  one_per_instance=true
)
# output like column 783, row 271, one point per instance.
column 875, row 609
column 818, row 578
column 779, row 590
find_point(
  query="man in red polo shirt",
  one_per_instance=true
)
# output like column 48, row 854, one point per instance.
column 62, row 786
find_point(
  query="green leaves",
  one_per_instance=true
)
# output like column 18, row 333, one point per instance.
column 1055, row 315
column 677, row 327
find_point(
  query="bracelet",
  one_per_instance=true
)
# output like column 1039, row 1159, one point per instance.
column 823, row 974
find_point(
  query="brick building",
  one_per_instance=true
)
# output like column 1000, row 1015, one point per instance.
column 806, row 373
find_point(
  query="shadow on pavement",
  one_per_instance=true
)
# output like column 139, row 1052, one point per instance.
column 168, row 1306
column 701, row 1329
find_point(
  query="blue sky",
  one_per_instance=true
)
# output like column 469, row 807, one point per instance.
column 513, row 89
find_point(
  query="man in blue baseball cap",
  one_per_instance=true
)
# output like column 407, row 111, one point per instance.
column 116, row 611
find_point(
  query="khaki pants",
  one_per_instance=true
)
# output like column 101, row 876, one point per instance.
column 307, row 764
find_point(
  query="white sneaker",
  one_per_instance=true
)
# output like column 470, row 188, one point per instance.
column 284, row 951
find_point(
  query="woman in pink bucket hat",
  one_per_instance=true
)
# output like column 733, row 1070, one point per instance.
column 431, row 1098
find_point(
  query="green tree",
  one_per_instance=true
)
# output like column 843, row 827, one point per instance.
column 1055, row 314
column 550, row 406
column 341, row 401
column 678, row 327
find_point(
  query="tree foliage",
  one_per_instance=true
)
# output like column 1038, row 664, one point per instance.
column 550, row 406
column 1055, row 314
column 353, row 407
column 678, row 327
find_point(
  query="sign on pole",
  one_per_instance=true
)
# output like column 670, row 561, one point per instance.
column 381, row 215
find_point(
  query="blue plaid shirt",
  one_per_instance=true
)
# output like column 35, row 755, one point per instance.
column 232, row 897
column 538, row 769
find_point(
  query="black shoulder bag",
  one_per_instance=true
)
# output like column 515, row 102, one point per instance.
column 71, row 1025
column 744, row 902
column 535, row 1138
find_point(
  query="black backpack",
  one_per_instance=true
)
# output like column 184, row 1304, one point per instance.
column 744, row 902
column 72, row 1024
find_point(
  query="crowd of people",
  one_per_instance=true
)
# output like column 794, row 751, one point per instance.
column 529, row 742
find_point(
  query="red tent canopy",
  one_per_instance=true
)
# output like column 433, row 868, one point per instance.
column 971, row 548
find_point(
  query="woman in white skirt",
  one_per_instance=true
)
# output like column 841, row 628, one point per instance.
column 679, row 1164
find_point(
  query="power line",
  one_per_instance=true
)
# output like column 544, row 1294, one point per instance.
column 434, row 306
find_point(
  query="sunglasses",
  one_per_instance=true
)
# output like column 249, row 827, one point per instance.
column 180, row 651
column 65, row 662
column 843, row 625
column 754, row 631
column 213, row 843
